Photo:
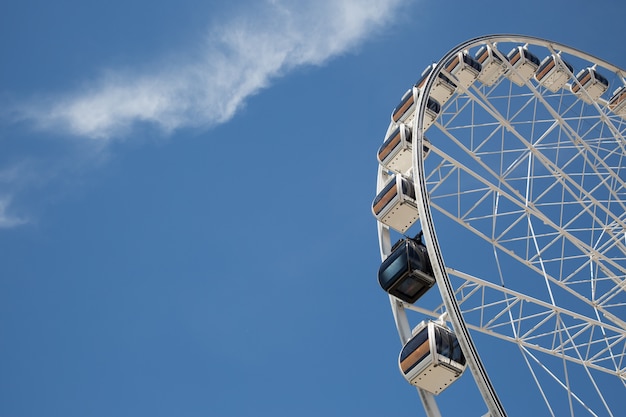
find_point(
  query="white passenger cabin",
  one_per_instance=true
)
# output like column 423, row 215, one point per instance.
column 523, row 63
column 432, row 359
column 589, row 85
column 433, row 108
column 464, row 68
column 405, row 110
column 442, row 89
column 395, row 204
column 553, row 73
column 396, row 152
column 493, row 67
column 617, row 103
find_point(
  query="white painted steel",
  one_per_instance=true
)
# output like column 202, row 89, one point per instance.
column 534, row 181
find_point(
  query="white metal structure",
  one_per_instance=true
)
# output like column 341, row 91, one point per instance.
column 441, row 90
column 432, row 358
column 395, row 204
column 493, row 65
column 464, row 68
column 524, row 196
column 592, row 83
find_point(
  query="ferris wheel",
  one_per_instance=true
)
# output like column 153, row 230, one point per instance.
column 501, row 211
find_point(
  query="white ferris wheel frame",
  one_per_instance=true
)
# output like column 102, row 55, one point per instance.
column 506, row 317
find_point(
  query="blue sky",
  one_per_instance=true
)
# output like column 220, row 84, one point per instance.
column 185, row 189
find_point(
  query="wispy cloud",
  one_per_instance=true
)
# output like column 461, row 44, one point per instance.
column 8, row 220
column 201, row 87
column 237, row 60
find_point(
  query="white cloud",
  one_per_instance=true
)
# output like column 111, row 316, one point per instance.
column 237, row 60
column 8, row 220
column 201, row 87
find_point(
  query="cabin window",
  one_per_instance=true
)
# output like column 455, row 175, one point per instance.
column 408, row 135
column 393, row 267
column 471, row 62
column 413, row 344
column 532, row 58
column 513, row 56
column 447, row 80
column 457, row 353
column 442, row 343
column 601, row 78
column 392, row 137
column 408, row 189
column 383, row 193
column 419, row 258
column 433, row 105
column 448, row 345
column 548, row 62
column 409, row 288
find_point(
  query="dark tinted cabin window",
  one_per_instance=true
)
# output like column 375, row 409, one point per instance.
column 407, row 189
column 391, row 138
column 414, row 343
column 433, row 105
column 447, row 80
column 385, row 190
column 418, row 258
column 601, row 78
column 409, row 288
column 583, row 75
column 496, row 56
column 448, row 346
column 393, row 267
column 532, row 58
column 442, row 342
column 472, row 62
column 408, row 134
column 457, row 353
column 545, row 64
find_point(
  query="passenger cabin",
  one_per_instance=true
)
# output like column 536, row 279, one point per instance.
column 442, row 89
column 405, row 110
column 407, row 272
column 589, row 85
column 396, row 152
column 553, row 73
column 464, row 68
column 395, row 204
column 432, row 359
column 617, row 103
column 524, row 65
column 493, row 67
